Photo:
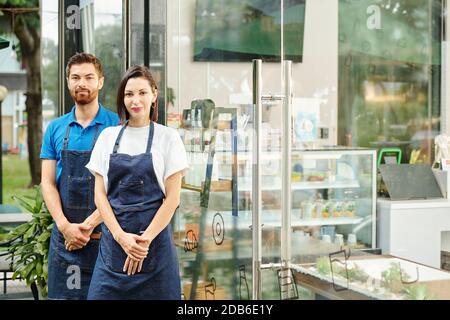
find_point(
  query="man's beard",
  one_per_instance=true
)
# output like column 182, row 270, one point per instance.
column 86, row 97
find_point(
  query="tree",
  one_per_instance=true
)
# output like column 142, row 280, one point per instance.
column 107, row 40
column 25, row 18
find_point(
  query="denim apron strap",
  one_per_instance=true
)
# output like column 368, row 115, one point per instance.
column 149, row 141
column 66, row 137
column 97, row 130
column 150, row 137
column 116, row 144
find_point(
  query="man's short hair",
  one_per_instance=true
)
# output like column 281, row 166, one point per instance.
column 82, row 57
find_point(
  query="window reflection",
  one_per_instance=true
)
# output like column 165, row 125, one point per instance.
column 49, row 45
column 101, row 26
column 389, row 79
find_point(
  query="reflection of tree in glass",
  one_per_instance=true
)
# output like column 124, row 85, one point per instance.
column 108, row 41
column 389, row 88
column 50, row 70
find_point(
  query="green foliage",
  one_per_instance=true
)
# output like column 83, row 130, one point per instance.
column 392, row 278
column 19, row 3
column 354, row 274
column 50, row 70
column 29, row 20
column 16, row 175
column 30, row 250
column 107, row 48
column 417, row 292
column 389, row 88
column 171, row 96
column 323, row 265
column 357, row 274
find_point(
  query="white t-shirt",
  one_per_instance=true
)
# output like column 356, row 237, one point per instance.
column 168, row 152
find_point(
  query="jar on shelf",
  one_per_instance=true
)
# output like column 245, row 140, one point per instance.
column 318, row 207
column 307, row 209
column 338, row 209
column 327, row 209
column 350, row 208
column 351, row 240
column 339, row 239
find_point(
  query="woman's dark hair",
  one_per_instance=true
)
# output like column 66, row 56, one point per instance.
column 135, row 72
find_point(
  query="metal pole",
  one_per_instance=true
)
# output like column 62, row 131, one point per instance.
column 1, row 155
column 286, row 141
column 256, row 190
column 126, row 34
column 3, row 94
column 61, row 60
column 147, row 33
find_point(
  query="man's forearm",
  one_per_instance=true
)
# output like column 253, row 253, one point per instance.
column 53, row 203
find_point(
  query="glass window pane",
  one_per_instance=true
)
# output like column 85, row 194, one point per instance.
column 389, row 78
column 101, row 25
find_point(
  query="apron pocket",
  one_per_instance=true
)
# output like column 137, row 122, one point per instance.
column 88, row 255
column 63, row 258
column 80, row 190
column 131, row 192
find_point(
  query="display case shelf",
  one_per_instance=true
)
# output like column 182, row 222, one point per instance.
column 306, row 185
column 319, row 222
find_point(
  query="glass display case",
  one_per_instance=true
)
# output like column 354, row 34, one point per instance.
column 334, row 197
column 333, row 207
column 368, row 276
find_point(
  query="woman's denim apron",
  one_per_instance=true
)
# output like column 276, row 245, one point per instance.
column 135, row 197
column 70, row 272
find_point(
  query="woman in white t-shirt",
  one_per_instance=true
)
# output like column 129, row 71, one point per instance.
column 138, row 169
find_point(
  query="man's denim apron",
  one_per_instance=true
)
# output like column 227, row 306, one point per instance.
column 70, row 272
column 135, row 197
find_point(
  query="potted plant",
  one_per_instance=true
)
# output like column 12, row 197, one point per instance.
column 30, row 248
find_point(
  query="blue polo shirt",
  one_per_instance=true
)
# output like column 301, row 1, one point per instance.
column 79, row 138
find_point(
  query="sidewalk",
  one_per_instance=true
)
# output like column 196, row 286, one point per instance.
column 15, row 290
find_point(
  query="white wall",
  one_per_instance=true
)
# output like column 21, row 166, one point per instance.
column 8, row 61
column 315, row 77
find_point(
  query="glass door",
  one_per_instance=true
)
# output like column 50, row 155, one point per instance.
column 210, row 49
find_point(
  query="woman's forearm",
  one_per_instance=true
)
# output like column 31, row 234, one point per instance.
column 162, row 218
column 94, row 219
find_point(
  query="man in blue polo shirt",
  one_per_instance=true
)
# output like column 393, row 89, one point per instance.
column 68, row 187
